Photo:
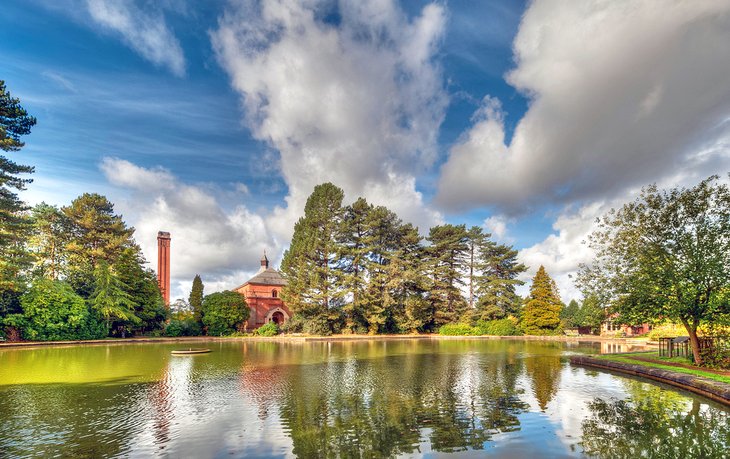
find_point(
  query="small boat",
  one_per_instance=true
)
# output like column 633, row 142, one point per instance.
column 190, row 351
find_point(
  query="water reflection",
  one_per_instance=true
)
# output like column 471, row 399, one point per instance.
column 364, row 399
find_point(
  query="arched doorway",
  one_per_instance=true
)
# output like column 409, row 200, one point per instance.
column 277, row 318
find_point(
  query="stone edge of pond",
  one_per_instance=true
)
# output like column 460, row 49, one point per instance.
column 336, row 338
column 714, row 390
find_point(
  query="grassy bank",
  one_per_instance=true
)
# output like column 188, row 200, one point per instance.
column 652, row 360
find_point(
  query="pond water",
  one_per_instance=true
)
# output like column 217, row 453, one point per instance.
column 474, row 398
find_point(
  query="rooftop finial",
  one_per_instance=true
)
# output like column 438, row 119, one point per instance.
column 264, row 261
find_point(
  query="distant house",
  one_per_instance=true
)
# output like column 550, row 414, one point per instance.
column 614, row 328
column 263, row 296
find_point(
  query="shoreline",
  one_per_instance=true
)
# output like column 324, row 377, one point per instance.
column 714, row 390
column 332, row 338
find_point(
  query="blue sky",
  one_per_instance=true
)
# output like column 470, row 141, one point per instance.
column 214, row 120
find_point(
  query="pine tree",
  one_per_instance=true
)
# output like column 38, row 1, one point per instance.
column 48, row 241
column 495, row 285
column 477, row 239
column 196, row 299
column 352, row 260
column 309, row 265
column 15, row 225
column 541, row 314
column 447, row 264
column 570, row 315
column 408, row 283
column 110, row 298
column 96, row 234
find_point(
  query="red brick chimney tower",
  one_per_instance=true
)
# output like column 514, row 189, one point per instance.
column 163, row 265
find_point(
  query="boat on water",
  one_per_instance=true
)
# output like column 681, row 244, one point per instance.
column 190, row 351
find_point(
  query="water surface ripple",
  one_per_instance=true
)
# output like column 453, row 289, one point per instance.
column 410, row 398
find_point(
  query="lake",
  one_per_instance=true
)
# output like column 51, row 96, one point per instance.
column 373, row 398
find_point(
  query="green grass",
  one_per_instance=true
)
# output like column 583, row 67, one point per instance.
column 626, row 358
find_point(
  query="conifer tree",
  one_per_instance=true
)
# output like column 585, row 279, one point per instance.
column 352, row 261
column 96, row 234
column 110, row 298
column 309, row 265
column 196, row 299
column 447, row 265
column 408, row 283
column 477, row 239
column 48, row 241
column 495, row 285
column 14, row 223
column 570, row 315
column 541, row 314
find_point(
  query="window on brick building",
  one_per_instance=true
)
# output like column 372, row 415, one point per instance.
column 274, row 293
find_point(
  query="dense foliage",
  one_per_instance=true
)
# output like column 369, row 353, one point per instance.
column 224, row 313
column 541, row 314
column 666, row 256
column 269, row 329
column 360, row 269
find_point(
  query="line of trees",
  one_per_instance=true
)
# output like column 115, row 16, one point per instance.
column 360, row 269
column 66, row 273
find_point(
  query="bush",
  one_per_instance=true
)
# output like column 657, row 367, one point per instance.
column 500, row 327
column 295, row 324
column 458, row 330
column 269, row 329
column 667, row 331
column 52, row 311
column 224, row 312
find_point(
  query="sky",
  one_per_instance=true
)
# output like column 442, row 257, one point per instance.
column 215, row 120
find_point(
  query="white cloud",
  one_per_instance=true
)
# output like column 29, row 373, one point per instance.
column 358, row 104
column 144, row 31
column 622, row 93
column 497, row 226
column 223, row 246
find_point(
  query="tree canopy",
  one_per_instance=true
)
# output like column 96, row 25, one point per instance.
column 665, row 256
column 541, row 314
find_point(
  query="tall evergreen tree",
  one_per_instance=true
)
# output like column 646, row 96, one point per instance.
column 408, row 284
column 541, row 314
column 96, row 234
column 497, row 280
column 352, row 260
column 447, row 255
column 309, row 265
column 477, row 239
column 14, row 223
column 570, row 315
column 196, row 299
column 110, row 298
column 144, row 292
column 48, row 241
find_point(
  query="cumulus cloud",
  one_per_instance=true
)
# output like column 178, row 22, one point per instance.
column 621, row 94
column 223, row 245
column 143, row 30
column 357, row 101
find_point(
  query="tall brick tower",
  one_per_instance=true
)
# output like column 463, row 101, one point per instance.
column 163, row 265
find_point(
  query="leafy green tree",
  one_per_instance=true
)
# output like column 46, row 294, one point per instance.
column 48, row 241
column 52, row 311
column 96, row 234
column 309, row 265
column 665, row 256
column 224, row 312
column 110, row 298
column 447, row 255
column 496, row 283
column 141, row 286
column 196, row 299
column 569, row 315
column 541, row 314
column 14, row 223
column 591, row 314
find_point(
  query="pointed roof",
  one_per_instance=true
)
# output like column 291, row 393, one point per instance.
column 265, row 276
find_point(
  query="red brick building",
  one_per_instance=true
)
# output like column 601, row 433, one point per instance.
column 263, row 296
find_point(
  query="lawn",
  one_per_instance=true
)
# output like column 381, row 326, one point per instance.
column 652, row 359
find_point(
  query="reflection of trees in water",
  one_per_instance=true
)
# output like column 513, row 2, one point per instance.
column 383, row 405
column 658, row 423
column 69, row 420
column 544, row 373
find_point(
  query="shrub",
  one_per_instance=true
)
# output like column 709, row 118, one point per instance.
column 500, row 327
column 269, row 329
column 458, row 330
column 224, row 312
column 295, row 324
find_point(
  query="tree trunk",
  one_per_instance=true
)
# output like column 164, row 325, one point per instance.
column 693, row 341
